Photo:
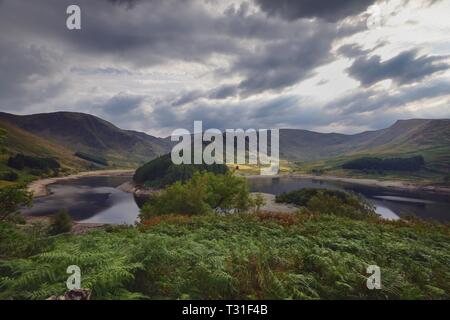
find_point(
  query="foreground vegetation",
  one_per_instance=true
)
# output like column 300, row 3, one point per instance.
column 335, row 202
column 313, row 254
column 240, row 256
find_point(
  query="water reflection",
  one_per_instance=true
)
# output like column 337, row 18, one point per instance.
column 390, row 204
column 89, row 199
column 97, row 199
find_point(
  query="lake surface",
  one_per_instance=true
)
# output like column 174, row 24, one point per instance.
column 97, row 199
column 89, row 199
column 391, row 204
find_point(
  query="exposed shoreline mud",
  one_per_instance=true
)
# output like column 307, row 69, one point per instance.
column 39, row 188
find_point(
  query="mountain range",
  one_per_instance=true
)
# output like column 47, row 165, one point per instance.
column 79, row 132
column 61, row 134
column 427, row 137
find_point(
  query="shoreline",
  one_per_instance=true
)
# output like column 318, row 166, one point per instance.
column 369, row 182
column 39, row 188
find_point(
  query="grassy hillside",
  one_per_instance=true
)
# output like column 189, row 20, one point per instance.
column 68, row 133
column 406, row 138
column 20, row 141
column 92, row 135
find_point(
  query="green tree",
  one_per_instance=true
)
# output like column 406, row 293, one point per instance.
column 9, row 176
column 324, row 201
column 61, row 223
column 350, row 207
column 204, row 193
column 258, row 202
column 3, row 134
column 11, row 199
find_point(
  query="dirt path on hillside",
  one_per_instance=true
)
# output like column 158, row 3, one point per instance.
column 39, row 187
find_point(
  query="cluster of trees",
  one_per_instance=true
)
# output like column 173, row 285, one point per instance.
column 329, row 202
column 11, row 199
column 204, row 193
column 3, row 134
column 161, row 171
column 397, row 164
column 89, row 157
column 9, row 176
column 21, row 161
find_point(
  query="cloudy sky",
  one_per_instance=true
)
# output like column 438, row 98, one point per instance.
column 343, row 66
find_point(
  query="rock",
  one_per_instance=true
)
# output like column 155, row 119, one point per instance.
column 74, row 294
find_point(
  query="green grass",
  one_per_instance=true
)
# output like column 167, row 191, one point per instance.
column 437, row 166
column 19, row 141
column 264, row 256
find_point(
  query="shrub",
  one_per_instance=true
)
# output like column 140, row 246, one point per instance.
column 350, row 207
column 258, row 202
column 301, row 197
column 204, row 193
column 9, row 176
column 61, row 223
column 20, row 161
column 324, row 201
column 11, row 199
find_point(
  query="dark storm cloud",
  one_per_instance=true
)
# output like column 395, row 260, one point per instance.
column 245, row 114
column 187, row 97
column 370, row 100
column 258, row 50
column 332, row 11
column 127, row 3
column 223, row 92
column 104, row 71
column 156, row 32
column 284, row 63
column 328, row 10
column 22, row 70
column 406, row 67
column 146, row 33
column 352, row 50
column 121, row 104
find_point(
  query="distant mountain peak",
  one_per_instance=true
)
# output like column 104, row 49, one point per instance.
column 91, row 134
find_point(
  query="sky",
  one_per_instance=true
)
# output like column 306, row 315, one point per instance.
column 154, row 66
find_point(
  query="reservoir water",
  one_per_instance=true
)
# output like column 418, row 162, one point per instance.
column 97, row 199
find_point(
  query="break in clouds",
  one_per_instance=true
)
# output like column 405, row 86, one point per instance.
column 159, row 65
